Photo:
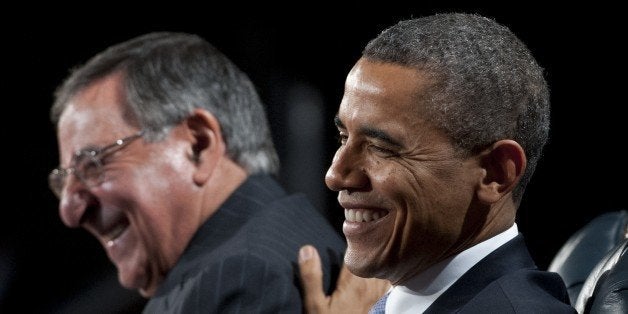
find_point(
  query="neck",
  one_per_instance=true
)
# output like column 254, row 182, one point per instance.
column 500, row 217
column 225, row 179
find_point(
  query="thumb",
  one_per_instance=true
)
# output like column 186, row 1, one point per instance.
column 311, row 279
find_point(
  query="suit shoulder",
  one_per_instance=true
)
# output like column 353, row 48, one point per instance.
column 524, row 291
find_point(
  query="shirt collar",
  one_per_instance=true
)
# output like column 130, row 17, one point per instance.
column 419, row 292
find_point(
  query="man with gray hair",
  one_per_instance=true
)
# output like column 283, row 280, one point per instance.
column 442, row 123
column 168, row 161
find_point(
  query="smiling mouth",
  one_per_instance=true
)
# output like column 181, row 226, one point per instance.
column 364, row 215
column 115, row 233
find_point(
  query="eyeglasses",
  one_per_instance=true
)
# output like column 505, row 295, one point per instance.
column 87, row 165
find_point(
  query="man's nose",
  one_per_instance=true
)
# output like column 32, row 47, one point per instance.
column 73, row 201
column 347, row 170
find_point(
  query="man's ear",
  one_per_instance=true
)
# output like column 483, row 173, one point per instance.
column 207, row 145
column 504, row 163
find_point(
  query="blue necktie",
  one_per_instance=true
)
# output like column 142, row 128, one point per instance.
column 380, row 306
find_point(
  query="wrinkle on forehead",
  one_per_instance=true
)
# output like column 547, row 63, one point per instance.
column 379, row 78
column 94, row 116
column 386, row 97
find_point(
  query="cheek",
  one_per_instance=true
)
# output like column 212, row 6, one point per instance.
column 165, row 185
column 166, row 173
column 163, row 209
column 408, row 189
column 154, row 191
column 438, row 203
column 427, row 205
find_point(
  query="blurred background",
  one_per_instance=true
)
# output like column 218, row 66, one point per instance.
column 298, row 57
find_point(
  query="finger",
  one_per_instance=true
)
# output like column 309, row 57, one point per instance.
column 311, row 279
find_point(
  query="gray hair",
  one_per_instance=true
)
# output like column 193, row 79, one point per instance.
column 167, row 76
column 486, row 85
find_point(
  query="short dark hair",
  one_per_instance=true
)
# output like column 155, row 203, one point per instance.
column 487, row 86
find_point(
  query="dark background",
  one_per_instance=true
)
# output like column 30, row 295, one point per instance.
column 298, row 60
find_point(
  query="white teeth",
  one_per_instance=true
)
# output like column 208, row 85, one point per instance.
column 358, row 216
column 350, row 214
column 366, row 215
column 363, row 215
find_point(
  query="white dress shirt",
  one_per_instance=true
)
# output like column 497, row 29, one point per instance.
column 418, row 293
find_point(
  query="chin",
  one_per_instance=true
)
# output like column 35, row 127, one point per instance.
column 146, row 293
column 131, row 281
column 361, row 266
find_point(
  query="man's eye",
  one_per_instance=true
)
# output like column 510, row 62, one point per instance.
column 342, row 139
column 382, row 151
column 89, row 164
column 91, row 168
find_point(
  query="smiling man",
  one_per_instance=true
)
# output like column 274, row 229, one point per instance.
column 402, row 184
column 168, row 161
column 442, row 123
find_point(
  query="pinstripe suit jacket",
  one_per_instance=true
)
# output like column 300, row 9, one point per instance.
column 243, row 259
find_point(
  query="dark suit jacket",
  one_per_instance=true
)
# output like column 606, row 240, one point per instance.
column 505, row 281
column 244, row 258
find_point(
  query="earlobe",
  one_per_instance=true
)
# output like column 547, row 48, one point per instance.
column 504, row 162
column 207, row 146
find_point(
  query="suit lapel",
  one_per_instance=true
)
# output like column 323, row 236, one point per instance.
column 508, row 258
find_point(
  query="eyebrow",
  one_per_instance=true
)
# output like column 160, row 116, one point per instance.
column 372, row 133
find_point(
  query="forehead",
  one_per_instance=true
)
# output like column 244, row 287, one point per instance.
column 383, row 92
column 94, row 116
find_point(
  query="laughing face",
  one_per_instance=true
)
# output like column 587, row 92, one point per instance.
column 143, row 209
column 407, row 195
